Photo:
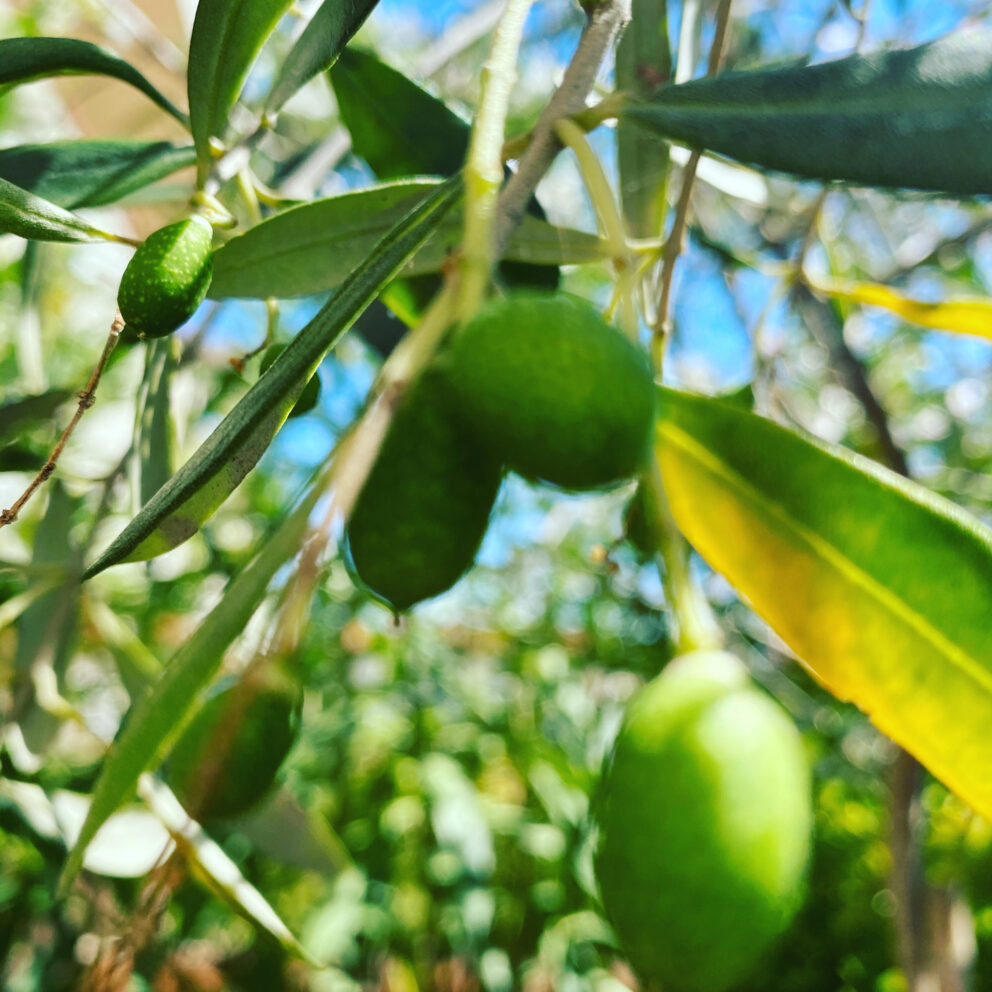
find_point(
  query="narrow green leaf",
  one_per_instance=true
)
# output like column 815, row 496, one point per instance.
column 227, row 36
column 154, row 437
column 882, row 588
column 91, row 173
column 178, row 509
column 644, row 64
column 160, row 716
column 919, row 118
column 29, row 216
column 397, row 127
column 310, row 248
column 25, row 59
column 318, row 48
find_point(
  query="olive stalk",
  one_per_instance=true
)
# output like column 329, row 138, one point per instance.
column 484, row 164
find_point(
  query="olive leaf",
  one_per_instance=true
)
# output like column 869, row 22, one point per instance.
column 920, row 118
column 310, row 248
column 318, row 47
column 217, row 467
column 23, row 60
column 29, row 216
column 882, row 588
column 226, row 38
column 83, row 173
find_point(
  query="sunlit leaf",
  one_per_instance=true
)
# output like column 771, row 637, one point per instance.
column 318, row 47
column 310, row 248
column 883, row 589
column 217, row 467
column 29, row 216
column 91, row 173
column 25, row 59
column 916, row 118
column 227, row 36
column 962, row 316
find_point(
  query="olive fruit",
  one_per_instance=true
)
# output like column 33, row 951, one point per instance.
column 553, row 390
column 226, row 760
column 704, row 822
column 423, row 510
column 641, row 525
column 167, row 278
column 311, row 391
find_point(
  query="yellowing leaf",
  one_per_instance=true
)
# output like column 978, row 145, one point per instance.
column 963, row 316
column 882, row 588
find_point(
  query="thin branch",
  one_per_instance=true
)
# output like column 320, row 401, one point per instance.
column 86, row 399
column 673, row 246
column 603, row 26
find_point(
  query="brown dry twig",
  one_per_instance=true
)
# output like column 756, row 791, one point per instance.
column 86, row 400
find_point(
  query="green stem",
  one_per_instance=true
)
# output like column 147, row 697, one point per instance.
column 484, row 165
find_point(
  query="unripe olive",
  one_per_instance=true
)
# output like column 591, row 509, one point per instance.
column 311, row 391
column 704, row 821
column 423, row 510
column 553, row 390
column 226, row 760
column 167, row 278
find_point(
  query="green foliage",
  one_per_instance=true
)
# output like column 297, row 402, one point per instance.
column 167, row 278
column 423, row 510
column 553, row 390
column 704, row 818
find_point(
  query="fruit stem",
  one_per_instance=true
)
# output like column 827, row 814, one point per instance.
column 597, row 186
column 696, row 627
column 484, row 165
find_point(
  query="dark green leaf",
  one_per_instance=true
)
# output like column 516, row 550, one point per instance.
column 29, row 216
column 310, row 248
column 397, row 127
column 18, row 415
column 178, row 509
column 317, row 49
column 25, row 59
column 919, row 118
column 227, row 36
column 153, row 430
column 91, row 173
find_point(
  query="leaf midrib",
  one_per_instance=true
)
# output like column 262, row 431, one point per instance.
column 834, row 557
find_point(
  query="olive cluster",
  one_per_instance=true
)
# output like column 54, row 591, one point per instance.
column 539, row 384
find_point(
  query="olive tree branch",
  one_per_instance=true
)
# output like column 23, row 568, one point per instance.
column 484, row 164
column 604, row 24
column 86, row 398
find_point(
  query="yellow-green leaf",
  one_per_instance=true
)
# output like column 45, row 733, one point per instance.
column 963, row 316
column 883, row 589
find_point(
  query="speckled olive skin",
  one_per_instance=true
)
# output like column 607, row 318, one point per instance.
column 552, row 390
column 167, row 278
column 423, row 510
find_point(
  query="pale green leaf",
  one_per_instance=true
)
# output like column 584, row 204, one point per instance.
column 29, row 216
column 883, row 589
column 311, row 248
column 227, row 36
